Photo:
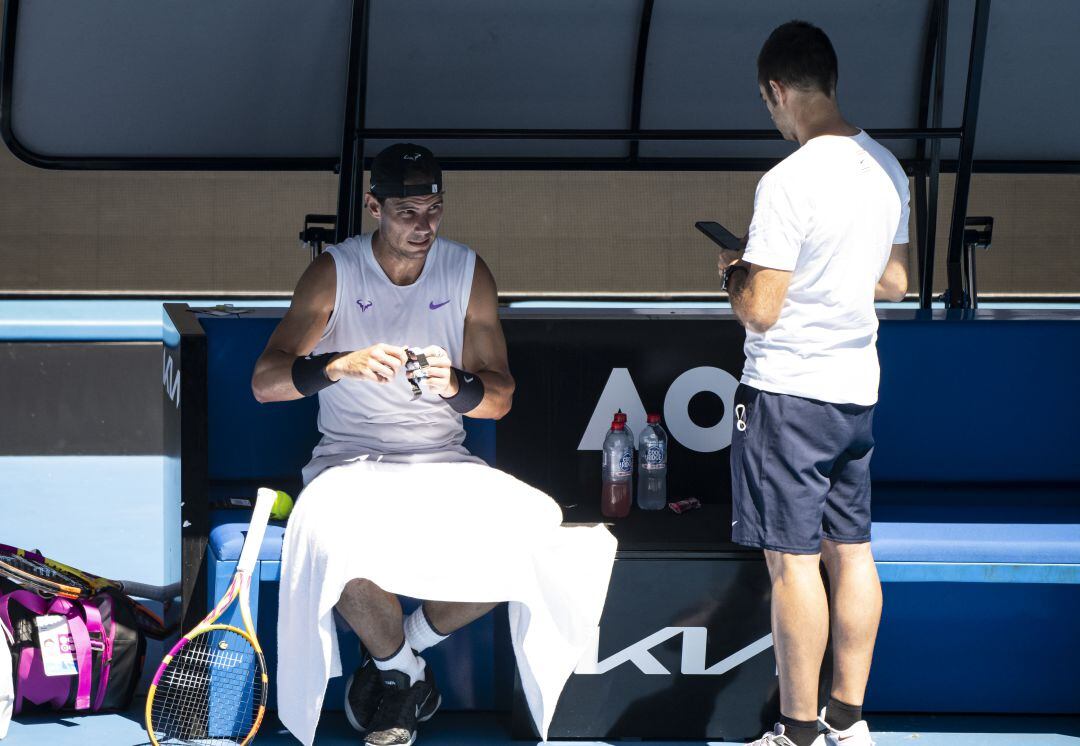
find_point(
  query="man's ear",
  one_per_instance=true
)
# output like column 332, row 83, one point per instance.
column 778, row 92
column 372, row 205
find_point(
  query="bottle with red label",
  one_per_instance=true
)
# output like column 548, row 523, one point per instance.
column 616, row 494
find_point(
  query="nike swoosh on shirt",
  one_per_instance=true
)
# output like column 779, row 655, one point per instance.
column 468, row 379
column 434, row 306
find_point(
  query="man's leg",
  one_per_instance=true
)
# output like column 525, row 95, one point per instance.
column 853, row 581
column 856, row 612
column 447, row 617
column 800, row 624
column 433, row 622
column 374, row 615
column 386, row 700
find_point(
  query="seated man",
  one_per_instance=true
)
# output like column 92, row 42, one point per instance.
column 393, row 502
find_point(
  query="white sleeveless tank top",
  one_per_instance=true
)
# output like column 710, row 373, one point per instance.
column 364, row 419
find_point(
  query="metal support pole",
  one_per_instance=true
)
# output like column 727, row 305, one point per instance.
column 920, row 167
column 639, row 74
column 972, row 92
column 681, row 135
column 926, row 289
column 927, row 200
column 351, row 165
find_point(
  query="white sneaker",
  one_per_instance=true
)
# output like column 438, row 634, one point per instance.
column 777, row 738
column 857, row 735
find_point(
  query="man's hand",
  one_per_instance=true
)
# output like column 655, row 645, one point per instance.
column 726, row 259
column 440, row 378
column 378, row 363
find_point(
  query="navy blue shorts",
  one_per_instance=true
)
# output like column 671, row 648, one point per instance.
column 800, row 471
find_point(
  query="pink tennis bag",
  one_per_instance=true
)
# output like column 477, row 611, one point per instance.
column 75, row 655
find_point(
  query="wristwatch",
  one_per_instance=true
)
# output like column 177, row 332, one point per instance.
column 732, row 269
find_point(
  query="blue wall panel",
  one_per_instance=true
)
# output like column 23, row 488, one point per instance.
column 986, row 400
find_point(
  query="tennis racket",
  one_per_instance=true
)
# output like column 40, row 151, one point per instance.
column 211, row 688
column 35, row 573
column 46, row 576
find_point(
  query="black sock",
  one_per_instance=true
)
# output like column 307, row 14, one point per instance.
column 840, row 715
column 799, row 732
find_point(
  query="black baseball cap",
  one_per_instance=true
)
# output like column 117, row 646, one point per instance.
column 404, row 162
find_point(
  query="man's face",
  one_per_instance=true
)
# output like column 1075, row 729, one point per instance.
column 779, row 108
column 408, row 225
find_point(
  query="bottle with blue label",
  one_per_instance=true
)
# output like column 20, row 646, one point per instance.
column 652, row 466
column 616, row 495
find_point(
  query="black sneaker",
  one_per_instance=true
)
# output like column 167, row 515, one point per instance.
column 402, row 707
column 363, row 693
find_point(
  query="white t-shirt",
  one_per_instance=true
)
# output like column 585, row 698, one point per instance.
column 829, row 213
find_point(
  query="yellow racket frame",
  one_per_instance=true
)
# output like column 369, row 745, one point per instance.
column 240, row 586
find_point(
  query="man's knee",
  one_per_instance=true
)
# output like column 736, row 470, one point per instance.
column 785, row 567
column 838, row 554
column 358, row 589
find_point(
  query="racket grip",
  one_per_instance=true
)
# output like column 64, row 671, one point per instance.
column 264, row 504
column 150, row 592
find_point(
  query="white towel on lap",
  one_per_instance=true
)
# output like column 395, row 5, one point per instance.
column 443, row 532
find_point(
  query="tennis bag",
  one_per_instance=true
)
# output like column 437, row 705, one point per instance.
column 78, row 655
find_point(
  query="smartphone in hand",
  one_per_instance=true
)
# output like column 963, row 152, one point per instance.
column 719, row 234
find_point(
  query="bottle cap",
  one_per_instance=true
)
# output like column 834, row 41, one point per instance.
column 617, row 425
column 620, row 416
column 653, row 419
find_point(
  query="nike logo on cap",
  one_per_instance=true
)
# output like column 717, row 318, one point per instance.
column 434, row 306
column 468, row 379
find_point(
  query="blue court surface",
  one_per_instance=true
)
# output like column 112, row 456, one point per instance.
column 467, row 729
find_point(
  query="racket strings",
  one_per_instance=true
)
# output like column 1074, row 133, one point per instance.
column 211, row 692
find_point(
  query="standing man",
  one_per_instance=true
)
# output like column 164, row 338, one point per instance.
column 828, row 237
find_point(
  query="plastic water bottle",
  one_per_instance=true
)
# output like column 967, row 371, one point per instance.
column 652, row 466
column 620, row 416
column 616, row 494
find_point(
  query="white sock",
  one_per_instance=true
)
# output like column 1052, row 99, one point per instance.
column 419, row 633
column 404, row 660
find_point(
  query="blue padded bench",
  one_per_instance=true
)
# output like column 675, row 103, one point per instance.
column 977, row 514
column 976, row 507
column 989, row 533
column 975, row 477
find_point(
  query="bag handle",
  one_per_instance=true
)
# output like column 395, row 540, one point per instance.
column 96, row 626
column 83, row 652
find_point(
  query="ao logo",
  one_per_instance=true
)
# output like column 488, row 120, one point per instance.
column 168, row 380
column 621, row 393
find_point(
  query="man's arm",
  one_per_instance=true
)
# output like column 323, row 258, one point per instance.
column 483, row 352
column 893, row 285
column 756, row 295
column 299, row 332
